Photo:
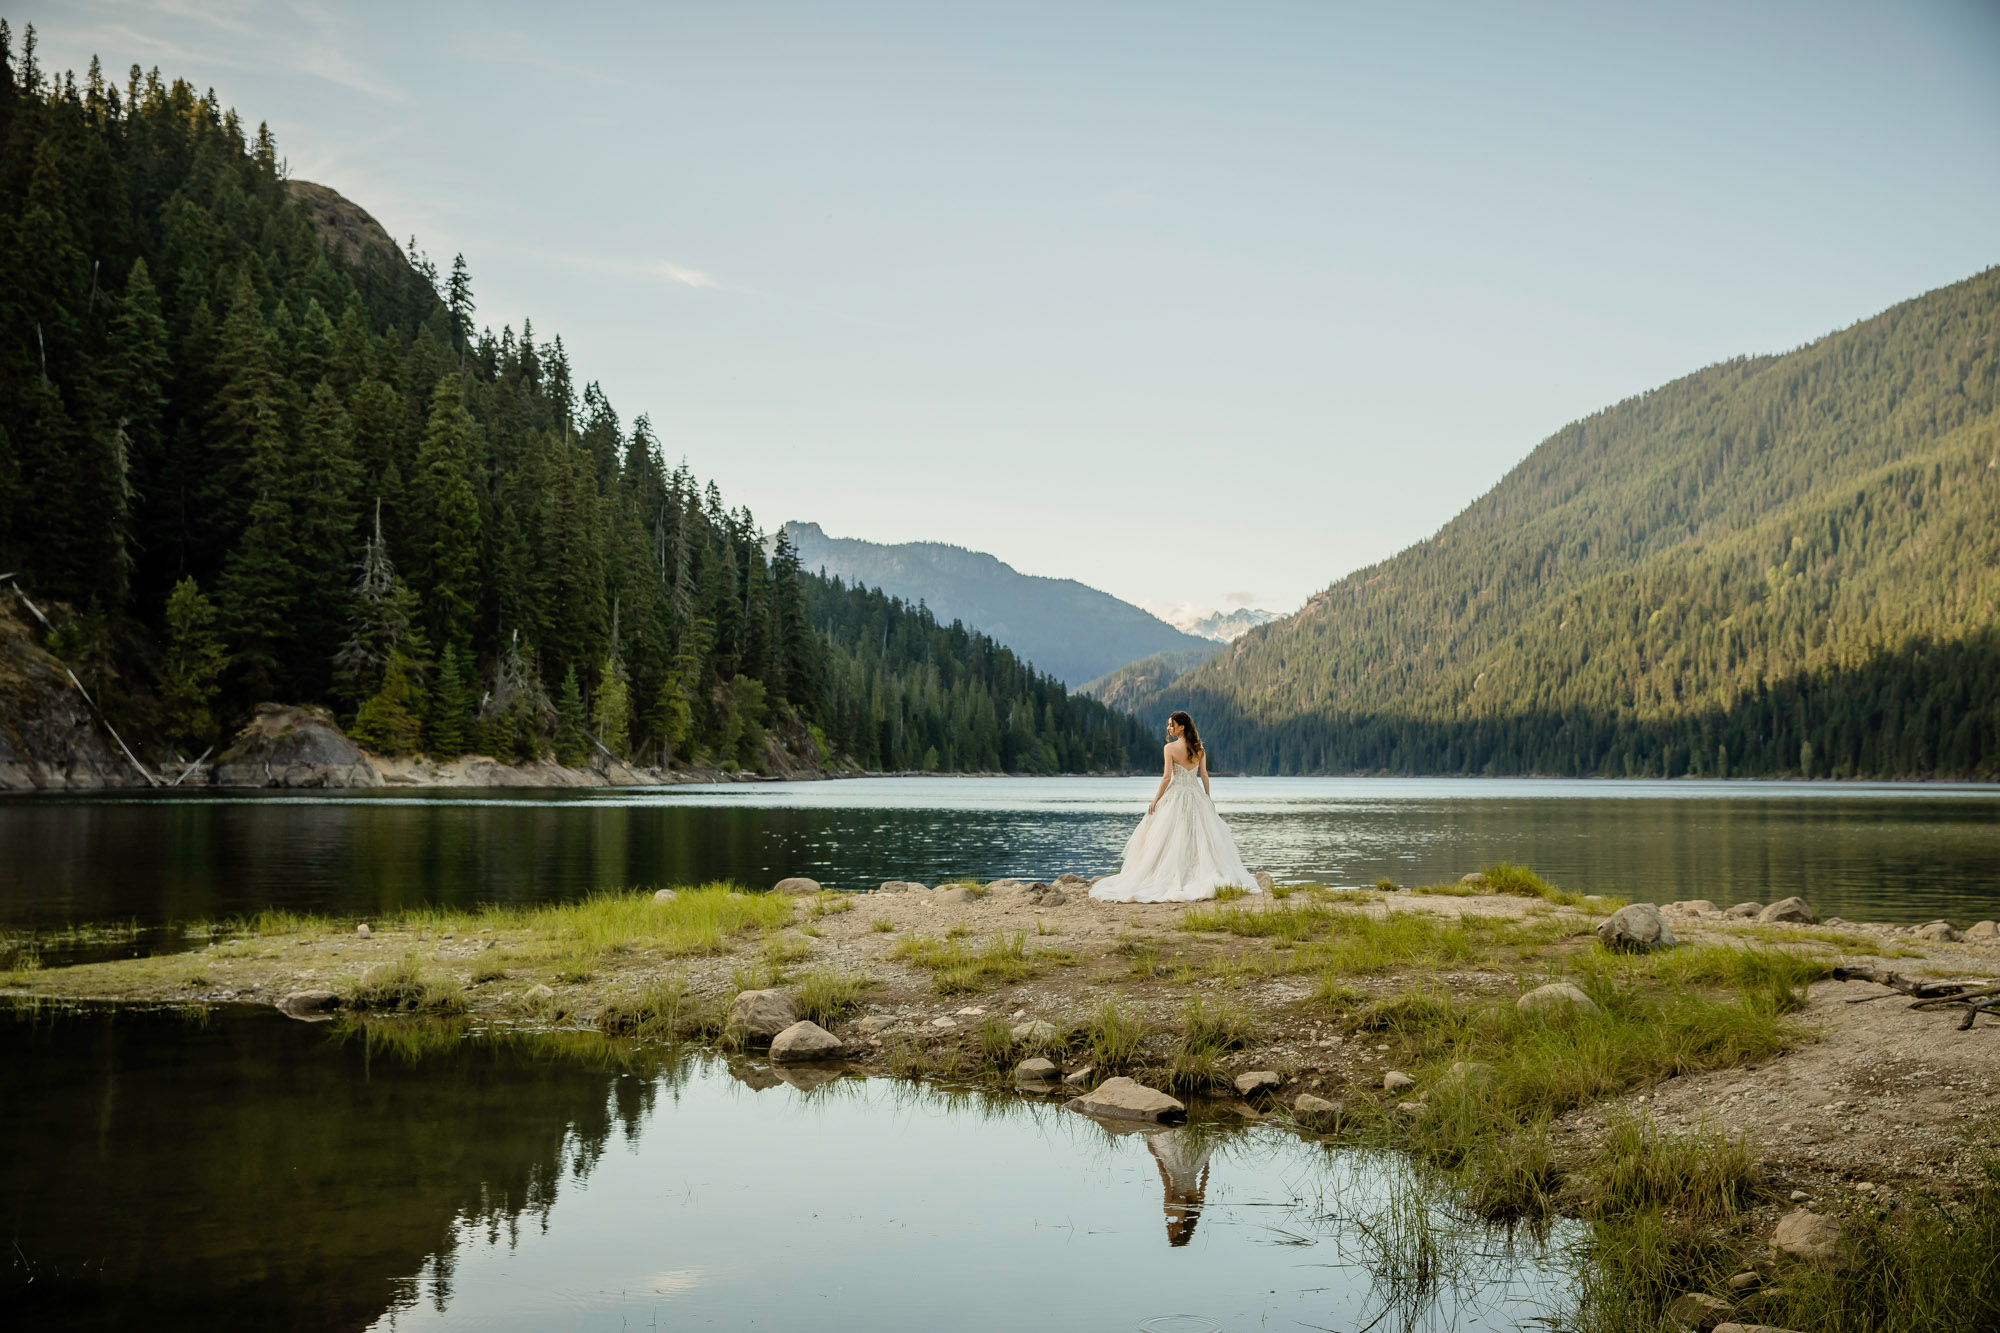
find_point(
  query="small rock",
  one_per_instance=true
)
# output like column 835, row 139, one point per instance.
column 1700, row 1310
column 1034, row 1031
column 1256, row 1082
column 1983, row 930
column 796, row 887
column 1745, row 1280
column 1411, row 1108
column 1804, row 1235
column 1067, row 880
column 1081, row 1078
column 757, row 1016
column 1794, row 910
column 1396, row 1080
column 1475, row 1072
column 953, row 896
column 1036, row 1071
column 363, row 931
column 664, row 895
column 1053, row 898
column 308, row 1004
column 542, row 992
column 1692, row 907
column 873, row 1024
column 970, row 1011
column 1744, row 911
column 1834, row 921
column 1635, row 928
column 1938, row 930
column 1800, row 1196
column 1473, row 881
column 1124, row 1099
column 1264, row 880
column 943, row 1023
column 1556, row 997
column 1317, row 1111
column 805, row 1041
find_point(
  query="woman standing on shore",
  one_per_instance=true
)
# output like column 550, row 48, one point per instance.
column 1181, row 852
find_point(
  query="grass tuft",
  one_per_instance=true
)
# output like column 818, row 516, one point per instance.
column 406, row 986
column 825, row 996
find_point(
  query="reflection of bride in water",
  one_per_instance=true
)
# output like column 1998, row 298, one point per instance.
column 1183, row 1161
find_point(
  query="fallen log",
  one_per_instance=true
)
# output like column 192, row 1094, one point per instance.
column 1977, row 997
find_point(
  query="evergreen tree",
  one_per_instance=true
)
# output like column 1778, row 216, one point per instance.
column 382, row 619
column 446, row 522
column 611, row 710
column 572, row 747
column 193, row 671
column 390, row 721
column 448, row 722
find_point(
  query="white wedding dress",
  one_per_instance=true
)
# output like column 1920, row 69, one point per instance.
column 1180, row 853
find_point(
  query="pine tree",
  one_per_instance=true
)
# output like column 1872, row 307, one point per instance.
column 447, row 518
column 194, row 664
column 382, row 620
column 458, row 299
column 390, row 721
column 448, row 722
column 323, row 480
column 611, row 711
column 572, row 748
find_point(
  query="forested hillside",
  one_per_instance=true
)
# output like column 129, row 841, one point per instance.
column 249, row 450
column 1782, row 565
column 1066, row 628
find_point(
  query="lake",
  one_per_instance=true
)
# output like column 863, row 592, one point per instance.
column 247, row 1171
column 1900, row 853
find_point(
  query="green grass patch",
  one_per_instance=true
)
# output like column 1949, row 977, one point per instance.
column 406, row 986
column 957, row 967
column 1113, row 1037
column 825, row 996
column 661, row 1010
column 1210, row 1030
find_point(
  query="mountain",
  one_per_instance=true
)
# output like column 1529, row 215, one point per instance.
column 225, row 394
column 1138, row 682
column 1780, row 565
column 1071, row 631
column 1206, row 623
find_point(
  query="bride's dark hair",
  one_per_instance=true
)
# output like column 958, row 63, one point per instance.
column 1188, row 733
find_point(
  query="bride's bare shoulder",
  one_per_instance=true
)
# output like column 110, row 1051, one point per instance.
column 1175, row 749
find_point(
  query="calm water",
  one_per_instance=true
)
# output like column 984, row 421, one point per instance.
column 252, row 1172
column 1884, row 853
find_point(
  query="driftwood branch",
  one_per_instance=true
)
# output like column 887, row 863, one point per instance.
column 1977, row 997
column 192, row 767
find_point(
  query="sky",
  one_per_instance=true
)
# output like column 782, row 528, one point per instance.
column 1206, row 304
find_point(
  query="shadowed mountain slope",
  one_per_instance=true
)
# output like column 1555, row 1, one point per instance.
column 1781, row 565
column 1071, row 631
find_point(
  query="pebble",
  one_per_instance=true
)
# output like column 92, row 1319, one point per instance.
column 363, row 931
column 1396, row 1080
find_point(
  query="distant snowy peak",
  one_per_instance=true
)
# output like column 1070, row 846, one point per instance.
column 1208, row 623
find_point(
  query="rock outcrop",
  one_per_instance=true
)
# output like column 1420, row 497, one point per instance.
column 293, row 746
column 48, row 738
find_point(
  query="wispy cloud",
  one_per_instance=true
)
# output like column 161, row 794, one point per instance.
column 664, row 269
column 515, row 48
column 691, row 277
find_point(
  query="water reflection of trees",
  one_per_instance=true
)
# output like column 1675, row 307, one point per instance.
column 248, row 1172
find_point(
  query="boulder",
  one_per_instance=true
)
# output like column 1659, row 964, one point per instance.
column 954, row 897
column 1942, row 931
column 1033, row 1032
column 1983, row 930
column 797, row 886
column 1474, row 881
column 1257, row 1082
column 1081, row 1078
column 1264, row 880
column 757, row 1016
column 1692, row 907
column 1124, row 1099
column 1036, row 1073
column 310, row 1005
column 1635, row 929
column 803, row 1042
column 1396, row 1080
column 288, row 746
column 874, row 1025
column 362, row 930
column 1558, row 997
column 1804, row 1235
column 1794, row 911
column 1744, row 911
column 1316, row 1111
column 664, row 895
column 1698, row 1310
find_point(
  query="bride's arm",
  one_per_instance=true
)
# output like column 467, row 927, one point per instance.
column 1166, row 773
column 1204, row 774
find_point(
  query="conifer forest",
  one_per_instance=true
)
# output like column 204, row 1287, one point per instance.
column 250, row 455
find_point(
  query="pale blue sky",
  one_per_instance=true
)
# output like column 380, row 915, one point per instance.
column 1182, row 301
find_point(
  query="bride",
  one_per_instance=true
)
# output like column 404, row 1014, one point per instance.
column 1180, row 852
